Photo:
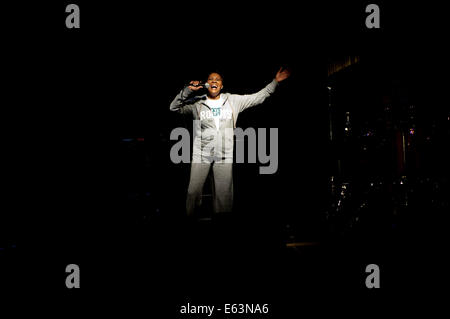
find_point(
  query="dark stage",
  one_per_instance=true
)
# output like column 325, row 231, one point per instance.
column 362, row 178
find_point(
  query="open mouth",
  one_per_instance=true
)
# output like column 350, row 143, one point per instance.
column 214, row 86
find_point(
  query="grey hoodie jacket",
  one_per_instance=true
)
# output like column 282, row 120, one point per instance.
column 210, row 143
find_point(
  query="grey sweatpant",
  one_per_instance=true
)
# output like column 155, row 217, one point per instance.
column 222, row 189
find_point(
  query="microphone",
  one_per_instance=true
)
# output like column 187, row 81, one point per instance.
column 205, row 85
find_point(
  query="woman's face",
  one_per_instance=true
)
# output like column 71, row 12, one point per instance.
column 215, row 84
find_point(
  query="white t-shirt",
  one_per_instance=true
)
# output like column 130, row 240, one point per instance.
column 216, row 109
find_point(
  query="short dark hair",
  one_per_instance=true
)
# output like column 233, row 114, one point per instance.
column 215, row 71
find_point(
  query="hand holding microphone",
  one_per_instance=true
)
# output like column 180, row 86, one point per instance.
column 197, row 85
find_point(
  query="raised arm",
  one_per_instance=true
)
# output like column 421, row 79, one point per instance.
column 249, row 100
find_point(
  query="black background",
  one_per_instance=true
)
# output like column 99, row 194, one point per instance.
column 70, row 96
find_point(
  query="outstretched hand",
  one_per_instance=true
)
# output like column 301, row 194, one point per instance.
column 282, row 74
